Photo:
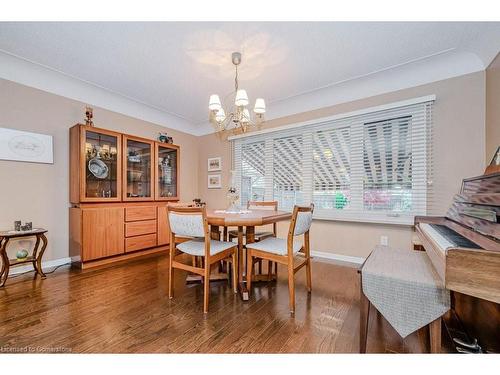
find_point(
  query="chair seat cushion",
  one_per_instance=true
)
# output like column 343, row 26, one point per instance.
column 197, row 247
column 275, row 245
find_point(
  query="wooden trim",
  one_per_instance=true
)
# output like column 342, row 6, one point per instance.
column 75, row 232
column 74, row 164
column 121, row 258
column 122, row 204
column 151, row 143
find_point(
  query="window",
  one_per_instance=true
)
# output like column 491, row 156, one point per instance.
column 372, row 165
column 387, row 180
column 252, row 172
column 331, row 169
column 287, row 171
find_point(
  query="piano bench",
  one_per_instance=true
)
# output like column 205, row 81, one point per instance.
column 404, row 287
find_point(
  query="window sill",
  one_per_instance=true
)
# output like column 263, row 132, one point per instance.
column 386, row 220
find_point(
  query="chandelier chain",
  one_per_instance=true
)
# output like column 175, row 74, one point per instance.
column 236, row 78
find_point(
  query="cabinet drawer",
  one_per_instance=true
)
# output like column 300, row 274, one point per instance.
column 138, row 228
column 140, row 242
column 140, row 213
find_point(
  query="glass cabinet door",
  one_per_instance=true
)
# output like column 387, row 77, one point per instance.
column 167, row 172
column 138, row 170
column 102, row 165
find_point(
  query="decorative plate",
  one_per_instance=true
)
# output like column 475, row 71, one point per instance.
column 98, row 168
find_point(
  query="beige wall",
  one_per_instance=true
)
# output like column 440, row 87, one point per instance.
column 492, row 108
column 459, row 148
column 39, row 192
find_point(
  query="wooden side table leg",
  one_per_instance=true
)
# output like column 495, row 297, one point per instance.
column 37, row 263
column 4, row 273
column 35, row 249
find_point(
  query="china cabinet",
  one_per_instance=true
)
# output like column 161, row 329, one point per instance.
column 120, row 186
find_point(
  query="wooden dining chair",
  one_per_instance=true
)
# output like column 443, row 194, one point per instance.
column 283, row 251
column 192, row 222
column 260, row 235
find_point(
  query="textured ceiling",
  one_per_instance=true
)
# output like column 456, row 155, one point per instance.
column 175, row 66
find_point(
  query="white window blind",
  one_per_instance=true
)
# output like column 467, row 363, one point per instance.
column 375, row 166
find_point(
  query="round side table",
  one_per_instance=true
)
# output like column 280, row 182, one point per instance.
column 35, row 258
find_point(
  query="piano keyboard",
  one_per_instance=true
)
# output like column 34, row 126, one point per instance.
column 446, row 237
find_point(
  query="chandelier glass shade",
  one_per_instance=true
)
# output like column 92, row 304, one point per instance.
column 236, row 117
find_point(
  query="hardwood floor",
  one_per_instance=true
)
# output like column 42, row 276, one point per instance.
column 126, row 309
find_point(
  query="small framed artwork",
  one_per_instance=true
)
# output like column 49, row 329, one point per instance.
column 18, row 145
column 214, row 181
column 214, row 164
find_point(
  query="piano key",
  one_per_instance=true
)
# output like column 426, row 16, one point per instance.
column 440, row 240
column 455, row 238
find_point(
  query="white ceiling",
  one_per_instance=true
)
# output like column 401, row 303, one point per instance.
column 173, row 67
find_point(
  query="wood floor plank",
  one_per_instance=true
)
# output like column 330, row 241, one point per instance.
column 126, row 309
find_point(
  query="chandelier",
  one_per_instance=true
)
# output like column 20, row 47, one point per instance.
column 238, row 117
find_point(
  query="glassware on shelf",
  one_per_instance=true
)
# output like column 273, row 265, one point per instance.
column 138, row 168
column 101, row 177
column 167, row 172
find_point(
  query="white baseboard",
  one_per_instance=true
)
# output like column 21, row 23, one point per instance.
column 338, row 257
column 46, row 264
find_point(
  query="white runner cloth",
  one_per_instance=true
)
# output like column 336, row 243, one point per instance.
column 404, row 288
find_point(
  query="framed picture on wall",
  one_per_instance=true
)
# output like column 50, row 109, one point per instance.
column 214, row 164
column 19, row 145
column 214, row 181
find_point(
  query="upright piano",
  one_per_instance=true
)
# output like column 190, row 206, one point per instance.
column 464, row 247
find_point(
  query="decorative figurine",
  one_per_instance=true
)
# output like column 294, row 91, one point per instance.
column 166, row 169
column 164, row 138
column 17, row 225
column 232, row 195
column 26, row 227
column 89, row 114
column 198, row 203
column 134, row 157
column 22, row 254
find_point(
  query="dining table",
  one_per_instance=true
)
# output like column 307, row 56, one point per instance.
column 245, row 221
